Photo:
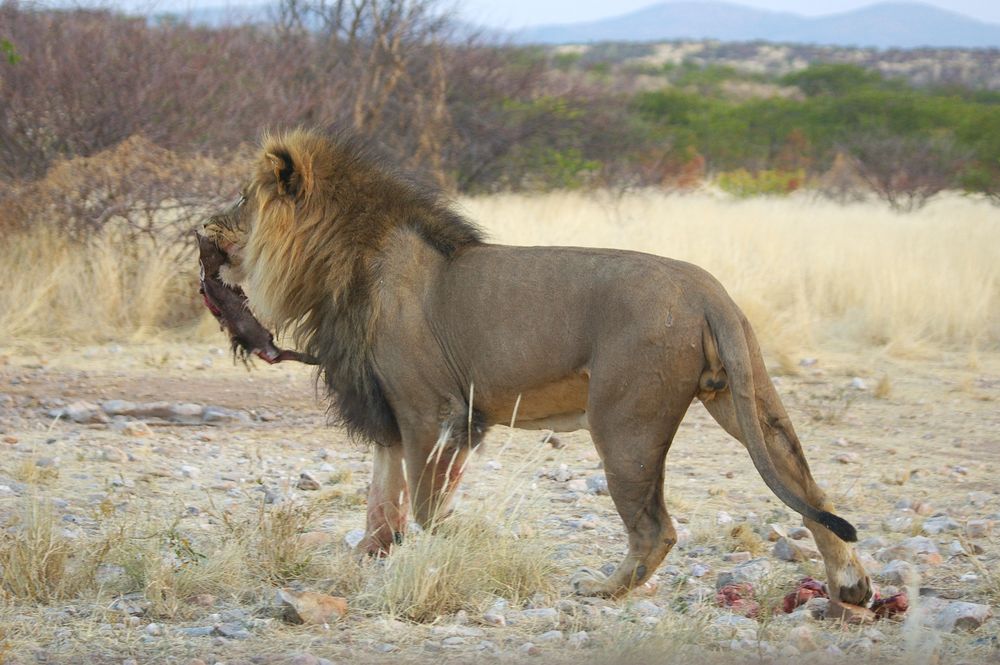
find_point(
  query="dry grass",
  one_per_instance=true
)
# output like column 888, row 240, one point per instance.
column 464, row 564
column 807, row 273
column 103, row 289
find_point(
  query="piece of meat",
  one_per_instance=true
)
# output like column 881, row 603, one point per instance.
column 739, row 598
column 229, row 306
column 807, row 589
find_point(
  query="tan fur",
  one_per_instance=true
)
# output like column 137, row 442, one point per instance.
column 427, row 336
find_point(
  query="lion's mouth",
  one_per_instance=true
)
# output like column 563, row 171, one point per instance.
column 229, row 306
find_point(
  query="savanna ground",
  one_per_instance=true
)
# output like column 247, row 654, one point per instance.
column 882, row 332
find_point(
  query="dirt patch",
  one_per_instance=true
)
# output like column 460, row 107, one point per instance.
column 905, row 448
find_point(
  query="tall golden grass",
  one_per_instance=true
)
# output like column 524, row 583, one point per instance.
column 809, row 274
column 103, row 289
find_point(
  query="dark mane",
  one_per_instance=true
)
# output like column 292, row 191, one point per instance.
column 351, row 199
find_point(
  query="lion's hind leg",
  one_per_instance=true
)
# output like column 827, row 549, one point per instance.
column 634, row 448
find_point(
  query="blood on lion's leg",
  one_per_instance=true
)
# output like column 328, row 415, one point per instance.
column 846, row 576
column 388, row 501
column 434, row 471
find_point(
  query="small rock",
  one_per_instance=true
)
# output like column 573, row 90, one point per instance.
column 847, row 458
column 196, row 631
column 735, row 621
column 232, row 631
column 900, row 573
column 307, row 481
column 737, row 557
column 315, row 539
column 136, row 428
column 961, row 616
column 541, row 614
column 303, row 659
column 858, row 383
column 109, row 454
column 722, row 518
column 186, row 413
column 189, row 471
column 774, row 532
column 309, row 607
column 598, row 484
column 799, row 533
column 751, row 572
column 648, row 608
column 354, row 537
column 578, row 639
column 803, row 638
column 84, row 413
column 789, row 550
column 529, row 649
column 699, row 570
column 932, row 526
column 551, row 636
column 978, row 528
column 154, row 629
column 898, row 523
column 202, row 600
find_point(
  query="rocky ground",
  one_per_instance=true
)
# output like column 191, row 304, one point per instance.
column 173, row 443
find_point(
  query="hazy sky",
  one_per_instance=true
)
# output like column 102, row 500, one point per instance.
column 512, row 14
column 520, row 13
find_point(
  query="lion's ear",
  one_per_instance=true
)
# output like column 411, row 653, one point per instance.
column 291, row 178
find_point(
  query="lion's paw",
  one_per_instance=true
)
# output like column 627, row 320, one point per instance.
column 589, row 582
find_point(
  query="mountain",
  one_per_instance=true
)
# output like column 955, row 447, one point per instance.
column 883, row 25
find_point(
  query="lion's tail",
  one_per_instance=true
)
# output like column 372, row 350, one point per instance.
column 734, row 350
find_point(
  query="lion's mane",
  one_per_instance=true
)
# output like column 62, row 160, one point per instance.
column 324, row 209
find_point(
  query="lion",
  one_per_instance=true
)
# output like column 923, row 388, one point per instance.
column 427, row 335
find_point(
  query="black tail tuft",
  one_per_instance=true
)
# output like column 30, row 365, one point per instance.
column 841, row 527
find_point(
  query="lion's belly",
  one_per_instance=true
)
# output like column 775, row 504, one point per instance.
column 560, row 406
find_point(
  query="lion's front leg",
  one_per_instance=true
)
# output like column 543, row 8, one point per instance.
column 434, row 472
column 388, row 501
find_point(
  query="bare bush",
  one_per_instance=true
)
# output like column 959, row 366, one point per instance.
column 134, row 189
column 907, row 172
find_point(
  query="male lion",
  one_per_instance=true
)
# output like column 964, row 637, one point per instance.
column 426, row 335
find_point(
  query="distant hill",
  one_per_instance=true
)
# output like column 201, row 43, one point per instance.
column 883, row 25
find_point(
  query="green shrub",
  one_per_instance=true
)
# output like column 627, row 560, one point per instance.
column 743, row 184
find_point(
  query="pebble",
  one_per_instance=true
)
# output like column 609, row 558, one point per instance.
column 154, row 629
column 752, row 571
column 932, row 526
column 189, row 471
column 109, row 454
column 978, row 528
column 309, row 607
column 699, row 570
column 232, row 631
column 961, row 616
column 598, row 484
column 354, row 537
column 898, row 524
column 722, row 518
column 136, row 428
column 196, row 631
column 803, row 638
column 540, row 614
column 900, row 573
column 578, row 639
column 737, row 557
column 789, row 550
column 307, row 481
column 648, row 608
column 551, row 636
column 529, row 649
